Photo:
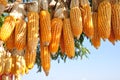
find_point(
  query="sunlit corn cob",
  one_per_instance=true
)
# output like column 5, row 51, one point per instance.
column 7, row 28
column 95, row 39
column 104, row 19
column 68, row 38
column 20, row 34
column 116, row 20
column 10, row 42
column 45, row 58
column 45, row 27
column 32, row 32
column 88, row 27
column 56, row 29
column 76, row 20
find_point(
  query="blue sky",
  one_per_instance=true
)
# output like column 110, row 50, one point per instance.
column 102, row 64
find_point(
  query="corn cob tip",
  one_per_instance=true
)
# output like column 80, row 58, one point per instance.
column 104, row 39
column 71, row 57
column 46, row 73
column 113, row 43
column 97, row 47
column 78, row 37
column 53, row 53
column 26, row 70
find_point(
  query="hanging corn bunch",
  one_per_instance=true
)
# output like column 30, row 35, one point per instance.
column 95, row 39
column 76, row 18
column 104, row 19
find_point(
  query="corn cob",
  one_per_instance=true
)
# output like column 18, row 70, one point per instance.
column 87, row 22
column 115, row 20
column 68, row 38
column 62, row 47
column 45, row 27
column 10, row 42
column 33, row 28
column 76, row 19
column 95, row 39
column 45, row 59
column 104, row 19
column 56, row 29
column 20, row 34
column 7, row 28
column 30, row 58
